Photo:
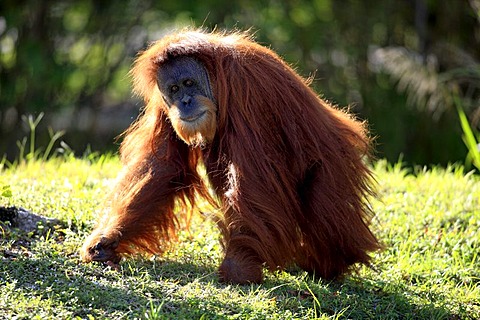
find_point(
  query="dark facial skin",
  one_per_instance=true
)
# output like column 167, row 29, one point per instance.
column 181, row 81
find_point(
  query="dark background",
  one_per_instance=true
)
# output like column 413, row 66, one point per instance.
column 400, row 64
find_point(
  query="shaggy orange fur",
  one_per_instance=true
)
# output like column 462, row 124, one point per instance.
column 287, row 169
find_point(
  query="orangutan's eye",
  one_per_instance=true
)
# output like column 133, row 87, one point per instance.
column 188, row 83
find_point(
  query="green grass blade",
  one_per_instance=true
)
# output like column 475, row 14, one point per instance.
column 469, row 138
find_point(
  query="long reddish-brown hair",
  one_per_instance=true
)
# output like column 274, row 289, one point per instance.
column 286, row 168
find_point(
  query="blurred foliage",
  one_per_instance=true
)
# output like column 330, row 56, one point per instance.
column 396, row 63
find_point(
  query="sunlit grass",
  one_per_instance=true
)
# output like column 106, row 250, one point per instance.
column 430, row 269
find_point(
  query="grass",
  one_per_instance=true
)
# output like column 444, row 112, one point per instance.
column 470, row 138
column 428, row 219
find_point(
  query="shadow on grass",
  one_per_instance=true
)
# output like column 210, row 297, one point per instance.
column 73, row 288
column 161, row 289
column 354, row 297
